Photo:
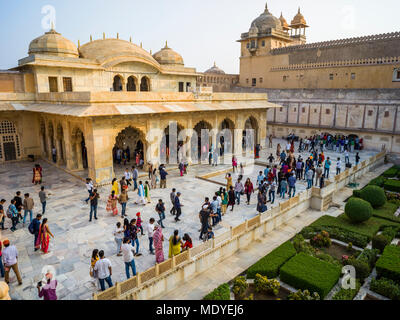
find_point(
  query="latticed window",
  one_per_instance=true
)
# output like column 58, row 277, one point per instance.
column 67, row 82
column 7, row 127
column 53, row 85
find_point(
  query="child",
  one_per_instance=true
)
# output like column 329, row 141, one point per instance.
column 139, row 223
column 210, row 234
column 188, row 242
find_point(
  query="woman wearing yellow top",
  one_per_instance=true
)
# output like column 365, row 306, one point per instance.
column 115, row 187
column 228, row 178
column 93, row 273
column 175, row 243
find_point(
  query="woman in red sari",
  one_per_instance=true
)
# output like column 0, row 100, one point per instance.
column 43, row 240
column 37, row 174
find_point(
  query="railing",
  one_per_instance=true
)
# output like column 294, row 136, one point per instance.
column 127, row 287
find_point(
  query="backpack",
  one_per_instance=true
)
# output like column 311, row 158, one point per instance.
column 9, row 213
column 31, row 228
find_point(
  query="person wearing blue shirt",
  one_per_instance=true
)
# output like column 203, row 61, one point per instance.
column 260, row 179
column 14, row 215
column 292, row 185
column 163, row 177
column 178, row 206
column 327, row 167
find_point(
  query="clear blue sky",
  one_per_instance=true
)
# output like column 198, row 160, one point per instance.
column 201, row 31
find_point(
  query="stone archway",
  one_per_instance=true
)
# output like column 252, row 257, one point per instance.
column 10, row 148
column 204, row 140
column 145, row 84
column 132, row 84
column 171, row 145
column 79, row 151
column 249, row 142
column 43, row 137
column 118, row 83
column 130, row 147
column 226, row 136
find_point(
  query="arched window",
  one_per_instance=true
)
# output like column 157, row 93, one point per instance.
column 131, row 85
column 117, row 84
column 145, row 84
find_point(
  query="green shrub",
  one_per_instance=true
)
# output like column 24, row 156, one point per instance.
column 358, row 210
column 263, row 284
column 328, row 258
column 362, row 268
column 220, row 293
column 386, row 287
column 388, row 265
column 380, row 241
column 307, row 272
column 301, row 245
column 387, row 212
column 321, row 240
column 270, row 264
column 303, row 295
column 347, row 294
column 357, row 193
column 369, row 256
column 240, row 286
column 391, row 173
column 379, row 181
column 392, row 185
column 374, row 195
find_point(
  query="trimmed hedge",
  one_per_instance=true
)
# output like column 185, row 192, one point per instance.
column 387, row 212
column 347, row 294
column 306, row 272
column 358, row 210
column 392, row 185
column 379, row 242
column 369, row 256
column 392, row 172
column 388, row 265
column 379, row 181
column 221, row 293
column 269, row 265
column 374, row 195
column 386, row 287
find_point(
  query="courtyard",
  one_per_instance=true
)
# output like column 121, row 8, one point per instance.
column 76, row 237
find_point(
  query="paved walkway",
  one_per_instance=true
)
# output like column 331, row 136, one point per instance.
column 75, row 237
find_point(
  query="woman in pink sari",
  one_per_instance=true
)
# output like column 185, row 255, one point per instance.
column 43, row 240
column 158, row 244
column 112, row 203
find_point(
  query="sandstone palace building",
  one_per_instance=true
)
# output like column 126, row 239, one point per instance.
column 85, row 100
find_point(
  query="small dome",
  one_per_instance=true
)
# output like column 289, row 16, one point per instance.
column 266, row 21
column 168, row 56
column 53, row 43
column 284, row 23
column 299, row 19
column 214, row 69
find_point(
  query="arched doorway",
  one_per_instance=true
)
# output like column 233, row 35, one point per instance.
column 9, row 142
column 60, row 145
column 43, row 138
column 131, row 84
column 251, row 127
column 171, row 146
column 117, row 84
column 79, row 151
column 130, row 147
column 226, row 136
column 145, row 84
column 204, row 140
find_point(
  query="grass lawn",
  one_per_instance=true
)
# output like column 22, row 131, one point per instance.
column 387, row 212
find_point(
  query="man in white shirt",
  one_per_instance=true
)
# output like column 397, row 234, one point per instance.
column 128, row 176
column 103, row 267
column 150, row 232
column 10, row 261
column 127, row 252
column 338, row 166
column 89, row 187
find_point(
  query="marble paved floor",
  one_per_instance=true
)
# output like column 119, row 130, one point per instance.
column 75, row 237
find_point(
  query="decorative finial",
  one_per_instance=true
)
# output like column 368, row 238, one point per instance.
column 117, row 35
column 141, row 45
column 104, row 35
column 91, row 38
column 215, row 64
column 299, row 9
column 79, row 43
column 130, row 39
column 166, row 44
column 266, row 7
column 151, row 52
column 52, row 25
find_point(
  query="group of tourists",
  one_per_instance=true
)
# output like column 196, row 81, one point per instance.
column 124, row 156
column 326, row 141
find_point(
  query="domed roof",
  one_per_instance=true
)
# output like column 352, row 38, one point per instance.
column 168, row 56
column 215, row 69
column 299, row 19
column 266, row 21
column 284, row 22
column 53, row 43
column 117, row 50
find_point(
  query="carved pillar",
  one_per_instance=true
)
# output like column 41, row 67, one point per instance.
column 78, row 148
column 60, row 160
column 68, row 151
